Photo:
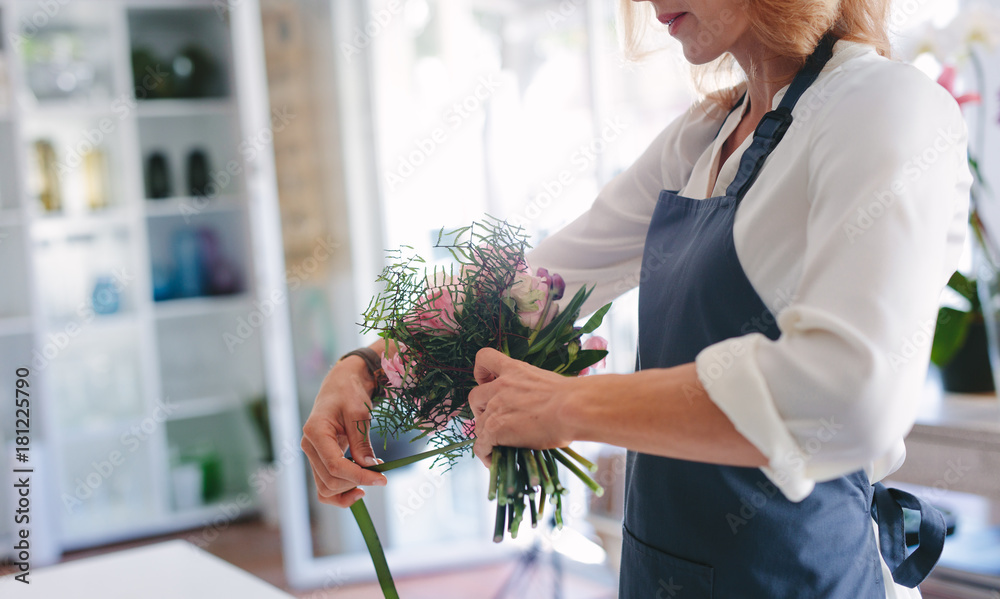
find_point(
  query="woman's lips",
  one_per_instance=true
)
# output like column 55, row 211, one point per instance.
column 672, row 20
column 668, row 17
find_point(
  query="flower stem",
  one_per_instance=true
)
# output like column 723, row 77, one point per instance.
column 494, row 474
column 511, row 471
column 420, row 456
column 534, row 478
column 498, row 526
column 367, row 527
column 579, row 458
column 596, row 488
column 547, row 485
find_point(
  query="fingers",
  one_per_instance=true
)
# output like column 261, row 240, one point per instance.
column 485, row 440
column 489, row 363
column 336, row 471
column 483, row 451
column 362, row 452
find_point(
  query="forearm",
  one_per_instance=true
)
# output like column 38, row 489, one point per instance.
column 664, row 412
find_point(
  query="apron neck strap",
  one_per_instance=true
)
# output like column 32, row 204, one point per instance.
column 775, row 123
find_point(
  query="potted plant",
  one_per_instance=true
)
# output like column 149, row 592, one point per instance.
column 960, row 348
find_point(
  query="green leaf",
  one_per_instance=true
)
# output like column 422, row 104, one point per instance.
column 558, row 325
column 949, row 335
column 595, row 320
column 965, row 287
column 420, row 456
column 586, row 357
column 364, row 520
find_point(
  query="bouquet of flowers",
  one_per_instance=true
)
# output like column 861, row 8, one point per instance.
column 436, row 320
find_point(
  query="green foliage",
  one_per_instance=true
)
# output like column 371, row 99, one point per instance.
column 953, row 325
column 950, row 334
column 439, row 361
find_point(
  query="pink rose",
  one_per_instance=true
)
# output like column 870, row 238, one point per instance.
column 530, row 293
column 395, row 369
column 595, row 342
column 437, row 310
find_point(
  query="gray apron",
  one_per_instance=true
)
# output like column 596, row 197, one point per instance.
column 696, row 530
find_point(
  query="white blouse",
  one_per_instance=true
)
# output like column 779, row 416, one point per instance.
column 849, row 234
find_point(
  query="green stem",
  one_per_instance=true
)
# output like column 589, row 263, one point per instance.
column 494, row 472
column 367, row 527
column 498, row 526
column 420, row 456
column 534, row 478
column 547, row 485
column 510, row 454
column 579, row 458
column 596, row 488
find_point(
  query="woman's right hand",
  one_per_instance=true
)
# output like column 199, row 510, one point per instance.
column 339, row 421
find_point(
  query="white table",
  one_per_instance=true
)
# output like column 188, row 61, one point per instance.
column 171, row 570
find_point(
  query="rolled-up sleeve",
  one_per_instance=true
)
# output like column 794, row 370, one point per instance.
column 888, row 187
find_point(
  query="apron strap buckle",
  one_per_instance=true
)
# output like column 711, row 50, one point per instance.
column 774, row 124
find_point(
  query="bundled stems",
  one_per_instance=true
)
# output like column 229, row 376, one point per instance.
column 519, row 476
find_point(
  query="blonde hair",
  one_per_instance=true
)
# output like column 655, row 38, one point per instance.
column 788, row 28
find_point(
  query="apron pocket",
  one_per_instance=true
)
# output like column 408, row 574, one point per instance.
column 648, row 573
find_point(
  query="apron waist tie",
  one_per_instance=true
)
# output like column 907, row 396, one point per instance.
column 887, row 508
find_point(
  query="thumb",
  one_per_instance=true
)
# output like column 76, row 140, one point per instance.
column 489, row 363
column 360, row 443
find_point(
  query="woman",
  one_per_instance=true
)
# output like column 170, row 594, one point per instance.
column 790, row 241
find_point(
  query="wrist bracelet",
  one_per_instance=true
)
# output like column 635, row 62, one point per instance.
column 374, row 364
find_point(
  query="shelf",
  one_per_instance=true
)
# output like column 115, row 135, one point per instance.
column 101, row 323
column 106, row 429
column 182, row 107
column 205, row 406
column 199, row 306
column 69, row 109
column 48, row 226
column 15, row 325
column 188, row 207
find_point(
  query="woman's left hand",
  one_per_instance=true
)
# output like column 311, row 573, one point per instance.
column 518, row 405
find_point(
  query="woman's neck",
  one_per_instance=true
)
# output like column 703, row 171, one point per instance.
column 766, row 74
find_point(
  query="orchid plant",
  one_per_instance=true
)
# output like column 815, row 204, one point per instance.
column 959, row 43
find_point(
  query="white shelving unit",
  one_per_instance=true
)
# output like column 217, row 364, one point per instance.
column 124, row 306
